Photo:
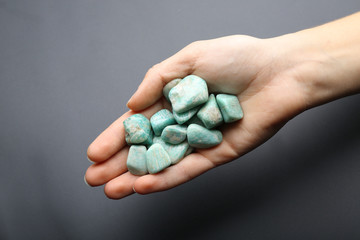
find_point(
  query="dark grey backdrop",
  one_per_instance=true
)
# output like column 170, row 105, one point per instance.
column 67, row 69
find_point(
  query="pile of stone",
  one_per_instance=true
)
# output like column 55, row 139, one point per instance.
column 168, row 136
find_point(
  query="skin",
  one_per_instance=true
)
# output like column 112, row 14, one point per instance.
column 275, row 80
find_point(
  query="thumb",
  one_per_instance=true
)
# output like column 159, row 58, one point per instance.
column 150, row 90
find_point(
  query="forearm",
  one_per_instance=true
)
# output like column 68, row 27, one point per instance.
column 325, row 59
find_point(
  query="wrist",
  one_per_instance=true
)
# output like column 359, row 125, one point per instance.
column 324, row 61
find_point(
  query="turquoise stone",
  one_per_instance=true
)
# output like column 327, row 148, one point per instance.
column 136, row 160
column 174, row 134
column 149, row 141
column 169, row 86
column 230, row 107
column 200, row 137
column 137, row 129
column 160, row 120
column 157, row 159
column 195, row 120
column 210, row 113
column 181, row 118
column 176, row 152
column 189, row 151
column 190, row 92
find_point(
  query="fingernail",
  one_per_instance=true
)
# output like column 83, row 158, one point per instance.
column 89, row 159
column 134, row 189
column 86, row 181
column 127, row 104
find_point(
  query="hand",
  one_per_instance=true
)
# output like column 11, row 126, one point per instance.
column 274, row 79
column 239, row 65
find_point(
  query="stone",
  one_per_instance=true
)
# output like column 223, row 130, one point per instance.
column 190, row 92
column 157, row 159
column 176, row 152
column 169, row 86
column 181, row 118
column 160, row 120
column 230, row 107
column 137, row 129
column 201, row 137
column 195, row 120
column 174, row 134
column 136, row 160
column 189, row 151
column 210, row 113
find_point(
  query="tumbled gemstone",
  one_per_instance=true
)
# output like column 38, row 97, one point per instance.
column 160, row 120
column 136, row 160
column 185, row 116
column 157, row 159
column 174, row 134
column 169, row 86
column 189, row 151
column 195, row 120
column 230, row 107
column 200, row 137
column 210, row 113
column 176, row 152
column 190, row 92
column 137, row 129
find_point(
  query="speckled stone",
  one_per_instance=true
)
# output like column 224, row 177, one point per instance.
column 176, row 152
column 210, row 113
column 189, row 151
column 174, row 134
column 160, row 120
column 230, row 107
column 200, row 137
column 136, row 160
column 181, row 118
column 169, row 86
column 195, row 120
column 137, row 129
column 157, row 159
column 190, row 92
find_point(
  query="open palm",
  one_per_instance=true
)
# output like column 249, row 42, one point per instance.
column 248, row 67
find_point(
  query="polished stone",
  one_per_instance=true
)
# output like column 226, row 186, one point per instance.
column 137, row 129
column 157, row 159
column 230, row 107
column 210, row 113
column 160, row 120
column 176, row 152
column 185, row 116
column 195, row 120
column 169, row 86
column 200, row 137
column 136, row 160
column 189, row 151
column 190, row 92
column 174, row 134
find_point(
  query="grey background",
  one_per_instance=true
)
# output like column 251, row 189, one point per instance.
column 67, row 69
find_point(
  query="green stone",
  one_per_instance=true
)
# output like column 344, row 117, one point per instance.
column 169, row 86
column 200, row 137
column 190, row 92
column 189, row 151
column 137, row 129
column 230, row 107
column 157, row 159
column 210, row 113
column 176, row 152
column 174, row 134
column 136, row 160
column 185, row 116
column 195, row 120
column 160, row 120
